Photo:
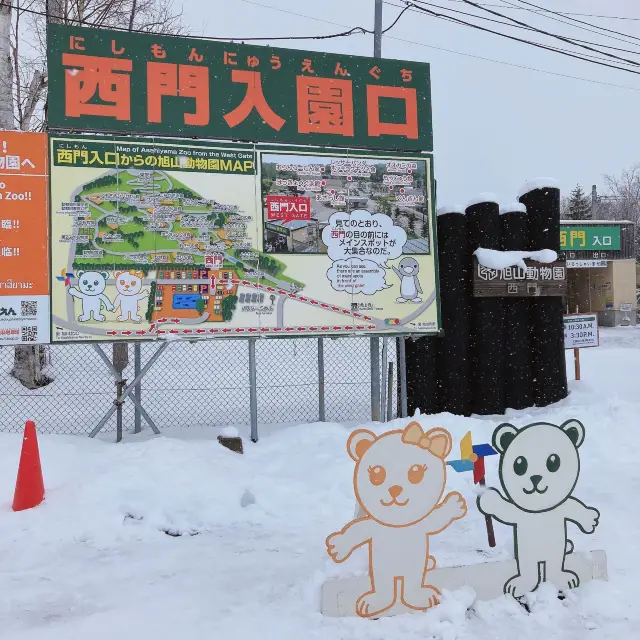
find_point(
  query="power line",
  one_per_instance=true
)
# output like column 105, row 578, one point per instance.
column 452, row 51
column 544, row 12
column 514, row 38
column 552, row 35
column 515, row 26
column 564, row 13
column 350, row 32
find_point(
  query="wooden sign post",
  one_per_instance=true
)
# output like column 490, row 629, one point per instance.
column 580, row 332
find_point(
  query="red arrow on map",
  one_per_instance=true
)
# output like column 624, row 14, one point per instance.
column 335, row 308
column 346, row 311
column 111, row 333
column 290, row 329
column 313, row 328
column 162, row 320
column 324, row 328
column 161, row 332
column 174, row 331
column 126, row 333
column 201, row 331
column 246, row 282
column 270, row 288
column 227, row 330
column 302, row 298
column 360, row 328
column 281, row 292
column 371, row 326
column 213, row 330
column 324, row 305
column 264, row 329
column 337, row 328
column 187, row 331
column 314, row 302
column 239, row 330
column 302, row 328
column 140, row 333
column 276, row 329
column 175, row 320
column 252, row 329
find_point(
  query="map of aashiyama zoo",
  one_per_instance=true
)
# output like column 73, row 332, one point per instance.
column 167, row 240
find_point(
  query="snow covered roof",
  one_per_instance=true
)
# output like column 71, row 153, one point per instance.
column 514, row 207
column 483, row 197
column 538, row 183
column 450, row 208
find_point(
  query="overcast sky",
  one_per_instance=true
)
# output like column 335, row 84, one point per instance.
column 495, row 125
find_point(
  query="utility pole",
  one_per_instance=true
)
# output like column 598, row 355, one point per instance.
column 377, row 31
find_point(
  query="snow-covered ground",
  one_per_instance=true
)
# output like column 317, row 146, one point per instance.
column 148, row 538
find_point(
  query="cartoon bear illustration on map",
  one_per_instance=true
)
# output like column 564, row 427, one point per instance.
column 91, row 286
column 129, row 286
column 399, row 481
column 539, row 469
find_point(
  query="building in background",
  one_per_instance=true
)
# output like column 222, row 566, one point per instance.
column 601, row 269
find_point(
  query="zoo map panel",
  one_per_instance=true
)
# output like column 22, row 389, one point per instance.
column 159, row 239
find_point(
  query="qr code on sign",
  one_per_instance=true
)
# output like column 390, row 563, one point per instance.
column 28, row 308
column 29, row 334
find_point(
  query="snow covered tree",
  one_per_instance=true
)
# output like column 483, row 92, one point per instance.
column 579, row 206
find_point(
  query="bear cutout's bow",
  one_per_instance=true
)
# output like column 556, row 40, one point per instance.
column 414, row 434
column 436, row 441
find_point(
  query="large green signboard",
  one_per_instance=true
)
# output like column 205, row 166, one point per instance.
column 589, row 237
column 102, row 80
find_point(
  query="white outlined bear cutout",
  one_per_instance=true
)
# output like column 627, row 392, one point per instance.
column 399, row 480
column 539, row 469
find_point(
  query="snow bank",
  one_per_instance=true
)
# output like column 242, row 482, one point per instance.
column 230, row 432
column 150, row 539
column 483, row 197
column 450, row 208
column 538, row 183
column 514, row 207
column 492, row 259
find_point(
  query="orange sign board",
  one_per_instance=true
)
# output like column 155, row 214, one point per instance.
column 24, row 238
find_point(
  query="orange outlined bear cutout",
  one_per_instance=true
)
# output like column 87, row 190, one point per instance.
column 399, row 480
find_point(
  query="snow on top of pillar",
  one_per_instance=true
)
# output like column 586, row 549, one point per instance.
column 492, row 259
column 538, row 183
column 450, row 208
column 514, row 207
column 483, row 197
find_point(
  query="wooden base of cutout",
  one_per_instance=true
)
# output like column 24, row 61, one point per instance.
column 487, row 580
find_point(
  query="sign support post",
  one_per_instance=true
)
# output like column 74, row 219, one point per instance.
column 576, row 361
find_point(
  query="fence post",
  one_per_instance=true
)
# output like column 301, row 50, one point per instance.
column 383, row 378
column 402, row 372
column 375, row 378
column 321, row 412
column 390, row 393
column 253, row 390
column 137, row 363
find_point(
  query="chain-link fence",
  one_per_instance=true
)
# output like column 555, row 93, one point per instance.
column 205, row 384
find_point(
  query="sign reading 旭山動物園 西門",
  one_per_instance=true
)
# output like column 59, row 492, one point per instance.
column 539, row 279
column 102, row 80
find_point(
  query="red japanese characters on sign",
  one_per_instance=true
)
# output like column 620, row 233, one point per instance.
column 214, row 261
column 287, row 208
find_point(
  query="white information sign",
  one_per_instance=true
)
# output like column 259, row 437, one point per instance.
column 581, row 331
column 586, row 264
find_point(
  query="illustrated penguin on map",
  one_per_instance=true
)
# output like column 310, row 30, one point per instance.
column 410, row 288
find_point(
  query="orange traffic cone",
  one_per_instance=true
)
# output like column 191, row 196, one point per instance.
column 29, row 485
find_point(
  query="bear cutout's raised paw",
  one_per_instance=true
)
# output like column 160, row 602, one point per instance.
column 519, row 586
column 455, row 505
column 373, row 603
column 338, row 547
column 490, row 501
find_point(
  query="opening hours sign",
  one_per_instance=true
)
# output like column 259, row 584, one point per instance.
column 101, row 80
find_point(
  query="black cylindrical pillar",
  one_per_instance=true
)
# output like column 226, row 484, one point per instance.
column 549, row 375
column 517, row 367
column 422, row 382
column 487, row 317
column 454, row 362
